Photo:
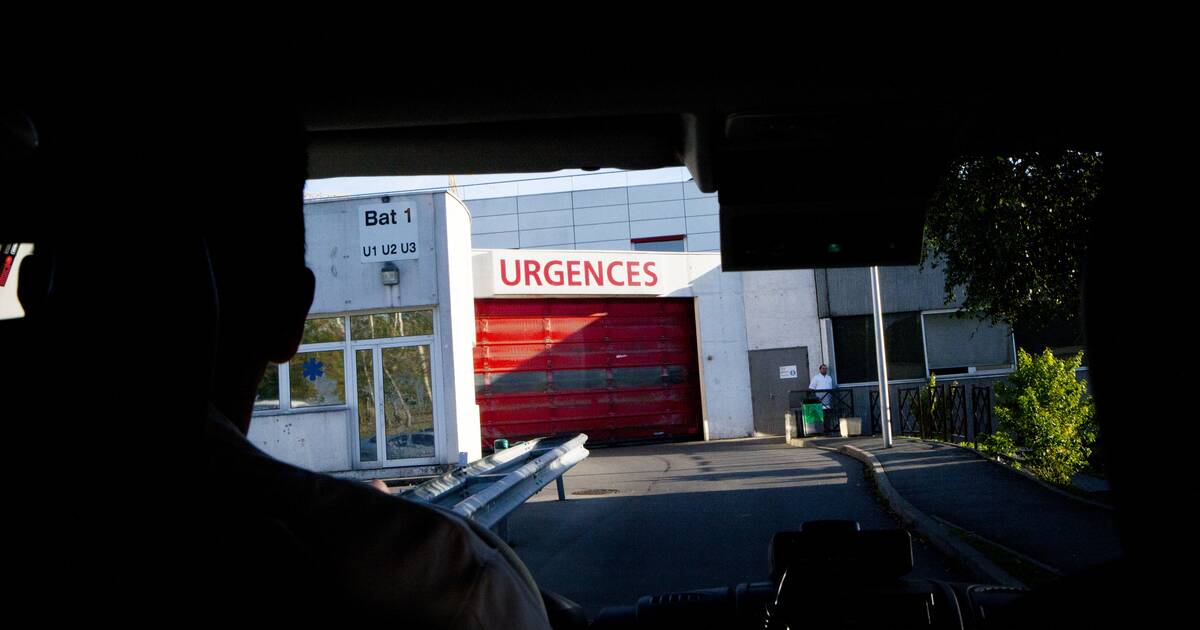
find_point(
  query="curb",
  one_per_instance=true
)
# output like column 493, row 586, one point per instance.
column 934, row 532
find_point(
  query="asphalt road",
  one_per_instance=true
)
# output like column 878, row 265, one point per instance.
column 643, row 520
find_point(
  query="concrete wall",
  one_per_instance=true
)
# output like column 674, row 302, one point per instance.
column 456, row 315
column 781, row 312
column 312, row 440
column 723, row 352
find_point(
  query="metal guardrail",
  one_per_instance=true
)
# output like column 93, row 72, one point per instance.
column 488, row 490
column 981, row 413
column 963, row 417
column 946, row 420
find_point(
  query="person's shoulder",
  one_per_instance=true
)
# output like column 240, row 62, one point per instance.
column 383, row 556
column 401, row 557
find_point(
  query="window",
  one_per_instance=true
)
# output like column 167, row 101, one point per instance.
column 408, row 402
column 949, row 344
column 388, row 325
column 317, row 379
column 675, row 243
column 956, row 345
column 267, row 396
column 315, row 376
column 1063, row 338
column 854, row 347
column 395, row 403
column 365, row 377
column 324, row 330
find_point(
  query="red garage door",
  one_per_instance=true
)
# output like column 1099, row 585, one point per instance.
column 616, row 369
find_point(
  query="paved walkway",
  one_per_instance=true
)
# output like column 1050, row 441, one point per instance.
column 957, row 487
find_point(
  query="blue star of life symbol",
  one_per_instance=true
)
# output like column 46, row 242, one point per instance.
column 313, row 369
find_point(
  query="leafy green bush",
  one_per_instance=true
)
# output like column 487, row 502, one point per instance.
column 1047, row 419
column 927, row 406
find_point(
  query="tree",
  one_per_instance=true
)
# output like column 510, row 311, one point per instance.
column 1046, row 416
column 1011, row 232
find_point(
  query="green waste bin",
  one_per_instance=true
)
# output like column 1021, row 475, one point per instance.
column 814, row 419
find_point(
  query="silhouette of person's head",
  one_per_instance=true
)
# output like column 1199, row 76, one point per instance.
column 256, row 247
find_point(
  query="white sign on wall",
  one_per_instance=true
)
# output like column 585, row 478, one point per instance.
column 788, row 371
column 388, row 231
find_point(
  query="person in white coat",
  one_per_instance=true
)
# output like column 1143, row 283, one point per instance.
column 821, row 384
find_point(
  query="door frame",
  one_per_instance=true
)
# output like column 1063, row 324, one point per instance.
column 377, row 347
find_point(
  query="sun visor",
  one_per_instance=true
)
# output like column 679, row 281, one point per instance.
column 813, row 235
column 812, row 191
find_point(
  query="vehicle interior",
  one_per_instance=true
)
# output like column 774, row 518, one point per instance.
column 118, row 199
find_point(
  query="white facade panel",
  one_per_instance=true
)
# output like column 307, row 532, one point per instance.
column 601, row 214
column 473, row 193
column 664, row 227
column 699, row 225
column 618, row 245
column 313, row 441
column 542, row 203
column 655, row 210
column 546, row 185
column 691, row 191
column 669, row 174
column 491, row 225
column 704, row 242
column 702, row 206
column 344, row 282
column 502, row 240
column 602, row 232
column 553, row 236
column 542, row 220
column 458, row 432
column 595, row 181
column 657, row 192
column 492, row 207
column 600, row 197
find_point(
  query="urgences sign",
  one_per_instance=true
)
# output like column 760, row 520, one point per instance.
column 582, row 273
column 578, row 273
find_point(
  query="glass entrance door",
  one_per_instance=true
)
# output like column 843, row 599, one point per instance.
column 395, row 386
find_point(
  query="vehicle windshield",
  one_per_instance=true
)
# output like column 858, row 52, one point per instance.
column 826, row 332
column 720, row 407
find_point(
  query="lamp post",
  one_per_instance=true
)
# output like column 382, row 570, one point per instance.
column 885, row 405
